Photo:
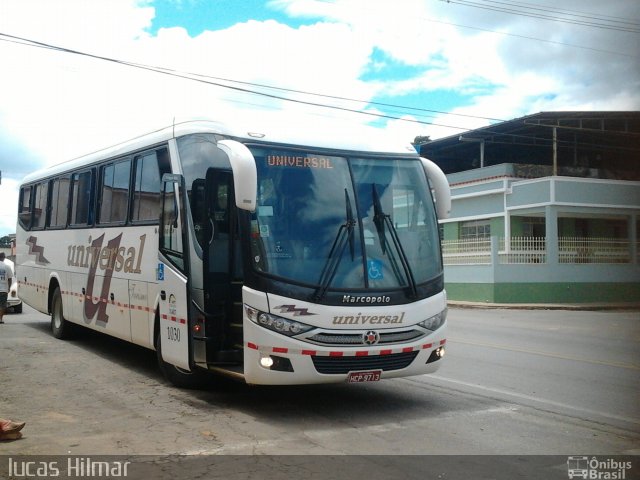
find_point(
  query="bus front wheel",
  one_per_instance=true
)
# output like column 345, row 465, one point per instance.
column 177, row 376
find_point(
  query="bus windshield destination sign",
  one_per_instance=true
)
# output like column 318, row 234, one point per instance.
column 299, row 161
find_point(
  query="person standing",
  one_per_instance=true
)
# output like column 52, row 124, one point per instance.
column 5, row 285
column 9, row 430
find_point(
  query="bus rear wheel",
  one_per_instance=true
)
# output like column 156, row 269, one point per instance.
column 177, row 376
column 60, row 327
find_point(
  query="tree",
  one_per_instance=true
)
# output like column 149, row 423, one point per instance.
column 421, row 140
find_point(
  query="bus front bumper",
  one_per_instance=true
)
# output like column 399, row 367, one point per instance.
column 294, row 364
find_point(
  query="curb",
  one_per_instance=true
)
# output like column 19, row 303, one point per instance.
column 624, row 306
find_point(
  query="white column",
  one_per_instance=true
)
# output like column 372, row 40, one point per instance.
column 551, row 228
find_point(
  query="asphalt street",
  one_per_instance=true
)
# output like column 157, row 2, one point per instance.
column 513, row 382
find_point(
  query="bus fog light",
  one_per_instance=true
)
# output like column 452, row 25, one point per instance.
column 266, row 361
column 275, row 363
column 436, row 355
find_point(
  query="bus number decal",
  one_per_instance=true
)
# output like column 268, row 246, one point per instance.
column 173, row 333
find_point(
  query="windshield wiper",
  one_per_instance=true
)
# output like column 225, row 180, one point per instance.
column 378, row 218
column 343, row 238
column 381, row 219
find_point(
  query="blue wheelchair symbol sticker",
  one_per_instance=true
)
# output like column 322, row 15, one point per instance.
column 160, row 272
column 374, row 269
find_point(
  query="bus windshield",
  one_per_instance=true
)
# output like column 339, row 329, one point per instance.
column 335, row 222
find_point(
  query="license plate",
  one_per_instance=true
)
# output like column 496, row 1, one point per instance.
column 358, row 377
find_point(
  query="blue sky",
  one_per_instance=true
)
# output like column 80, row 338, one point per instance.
column 198, row 16
column 440, row 67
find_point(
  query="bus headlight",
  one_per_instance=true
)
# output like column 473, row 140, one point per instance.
column 276, row 323
column 435, row 322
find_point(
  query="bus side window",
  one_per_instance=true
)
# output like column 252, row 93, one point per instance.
column 114, row 192
column 149, row 169
column 25, row 208
column 40, row 198
column 199, row 211
column 59, row 203
column 171, row 227
column 81, row 198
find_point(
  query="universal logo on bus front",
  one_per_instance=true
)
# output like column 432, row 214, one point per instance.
column 361, row 319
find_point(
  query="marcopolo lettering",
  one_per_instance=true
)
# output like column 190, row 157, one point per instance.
column 360, row 319
column 295, row 161
column 365, row 299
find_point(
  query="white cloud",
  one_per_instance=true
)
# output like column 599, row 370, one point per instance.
column 462, row 48
column 98, row 26
column 9, row 202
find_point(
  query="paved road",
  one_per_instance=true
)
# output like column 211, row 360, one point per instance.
column 513, row 383
column 579, row 364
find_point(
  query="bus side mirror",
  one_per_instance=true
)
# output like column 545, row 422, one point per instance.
column 245, row 174
column 440, row 186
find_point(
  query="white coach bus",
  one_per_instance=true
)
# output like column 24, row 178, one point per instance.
column 269, row 258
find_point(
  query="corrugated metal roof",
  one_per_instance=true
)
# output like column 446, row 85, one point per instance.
column 590, row 139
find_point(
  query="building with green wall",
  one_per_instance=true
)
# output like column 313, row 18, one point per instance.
column 545, row 209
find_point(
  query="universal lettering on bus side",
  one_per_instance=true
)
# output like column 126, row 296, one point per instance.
column 111, row 257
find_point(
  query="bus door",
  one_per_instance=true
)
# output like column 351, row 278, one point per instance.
column 173, row 276
column 222, row 271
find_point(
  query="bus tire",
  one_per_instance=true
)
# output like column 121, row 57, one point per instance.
column 60, row 327
column 175, row 375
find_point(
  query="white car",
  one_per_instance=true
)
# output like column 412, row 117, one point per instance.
column 13, row 301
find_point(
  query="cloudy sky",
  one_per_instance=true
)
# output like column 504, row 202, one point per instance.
column 410, row 67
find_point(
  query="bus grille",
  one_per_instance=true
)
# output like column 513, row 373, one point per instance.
column 341, row 338
column 335, row 365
